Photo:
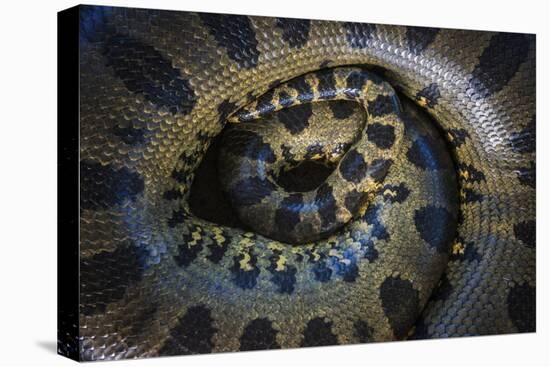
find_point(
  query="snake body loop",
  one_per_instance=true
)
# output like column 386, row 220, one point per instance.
column 360, row 172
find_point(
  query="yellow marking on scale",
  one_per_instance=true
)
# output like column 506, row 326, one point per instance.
column 297, row 250
column 246, row 242
column 218, row 235
column 316, row 256
column 245, row 262
column 275, row 246
column 423, row 101
column 464, row 174
column 196, row 236
column 372, row 190
column 458, row 248
column 281, row 263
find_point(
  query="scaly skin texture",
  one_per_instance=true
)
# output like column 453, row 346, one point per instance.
column 158, row 86
column 248, row 158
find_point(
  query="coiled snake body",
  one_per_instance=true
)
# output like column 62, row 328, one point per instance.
column 439, row 241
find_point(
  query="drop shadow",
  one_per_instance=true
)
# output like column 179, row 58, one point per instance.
column 50, row 346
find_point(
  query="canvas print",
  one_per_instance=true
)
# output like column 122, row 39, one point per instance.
column 234, row 183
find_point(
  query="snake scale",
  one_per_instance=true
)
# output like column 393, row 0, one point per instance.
column 434, row 238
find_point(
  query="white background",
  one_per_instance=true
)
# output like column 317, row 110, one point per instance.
column 28, row 183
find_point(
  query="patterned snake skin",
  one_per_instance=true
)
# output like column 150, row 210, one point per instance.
column 248, row 158
column 442, row 240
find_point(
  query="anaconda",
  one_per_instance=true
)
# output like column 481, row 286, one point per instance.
column 441, row 243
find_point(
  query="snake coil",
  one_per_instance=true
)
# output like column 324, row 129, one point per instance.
column 442, row 193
